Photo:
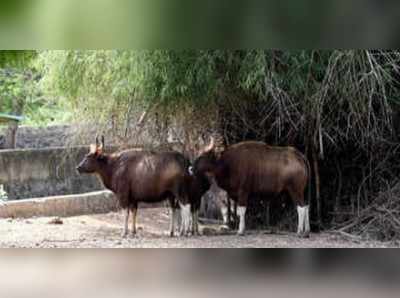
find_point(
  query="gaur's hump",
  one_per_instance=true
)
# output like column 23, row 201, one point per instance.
column 176, row 156
column 261, row 145
column 131, row 153
column 250, row 145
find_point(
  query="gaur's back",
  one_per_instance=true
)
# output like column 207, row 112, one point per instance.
column 260, row 167
column 148, row 174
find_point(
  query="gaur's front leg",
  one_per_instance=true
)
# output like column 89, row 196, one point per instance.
column 174, row 220
column 126, row 230
column 186, row 217
column 134, row 213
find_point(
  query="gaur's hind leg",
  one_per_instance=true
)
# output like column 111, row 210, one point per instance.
column 242, row 219
column 125, row 231
column 303, row 228
column 134, row 213
column 195, row 222
column 241, row 212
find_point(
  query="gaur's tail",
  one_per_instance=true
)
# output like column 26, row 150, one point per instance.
column 309, row 181
column 309, row 174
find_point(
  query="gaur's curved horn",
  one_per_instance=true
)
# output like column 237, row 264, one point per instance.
column 97, row 141
column 210, row 146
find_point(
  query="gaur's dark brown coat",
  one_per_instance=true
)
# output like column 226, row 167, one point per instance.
column 139, row 176
column 143, row 176
column 250, row 170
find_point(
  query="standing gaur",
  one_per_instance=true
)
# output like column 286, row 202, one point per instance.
column 141, row 176
column 251, row 170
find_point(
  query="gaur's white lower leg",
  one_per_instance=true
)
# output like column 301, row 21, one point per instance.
column 134, row 213
column 185, row 217
column 302, row 214
column 242, row 216
column 300, row 217
column 224, row 212
column 125, row 231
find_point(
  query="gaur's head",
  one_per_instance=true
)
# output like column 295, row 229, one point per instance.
column 206, row 161
column 93, row 161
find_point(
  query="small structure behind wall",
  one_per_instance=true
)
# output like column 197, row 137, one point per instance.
column 9, row 140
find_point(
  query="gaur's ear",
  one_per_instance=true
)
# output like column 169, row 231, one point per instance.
column 99, row 150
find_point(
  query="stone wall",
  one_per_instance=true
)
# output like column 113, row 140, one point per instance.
column 63, row 206
column 30, row 173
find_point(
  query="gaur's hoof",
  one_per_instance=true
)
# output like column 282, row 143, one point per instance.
column 184, row 234
column 133, row 235
column 303, row 235
column 124, row 235
column 240, row 234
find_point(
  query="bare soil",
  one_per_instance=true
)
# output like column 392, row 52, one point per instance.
column 91, row 231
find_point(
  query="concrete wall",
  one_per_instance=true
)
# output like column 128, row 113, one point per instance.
column 72, row 205
column 44, row 172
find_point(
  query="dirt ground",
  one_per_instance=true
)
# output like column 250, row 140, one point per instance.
column 91, row 231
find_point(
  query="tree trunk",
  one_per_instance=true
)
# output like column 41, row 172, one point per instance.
column 317, row 187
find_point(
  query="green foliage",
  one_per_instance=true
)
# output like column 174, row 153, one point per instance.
column 15, row 89
column 17, row 82
column 324, row 97
column 148, row 75
column 42, row 112
column 16, row 58
column 20, row 91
